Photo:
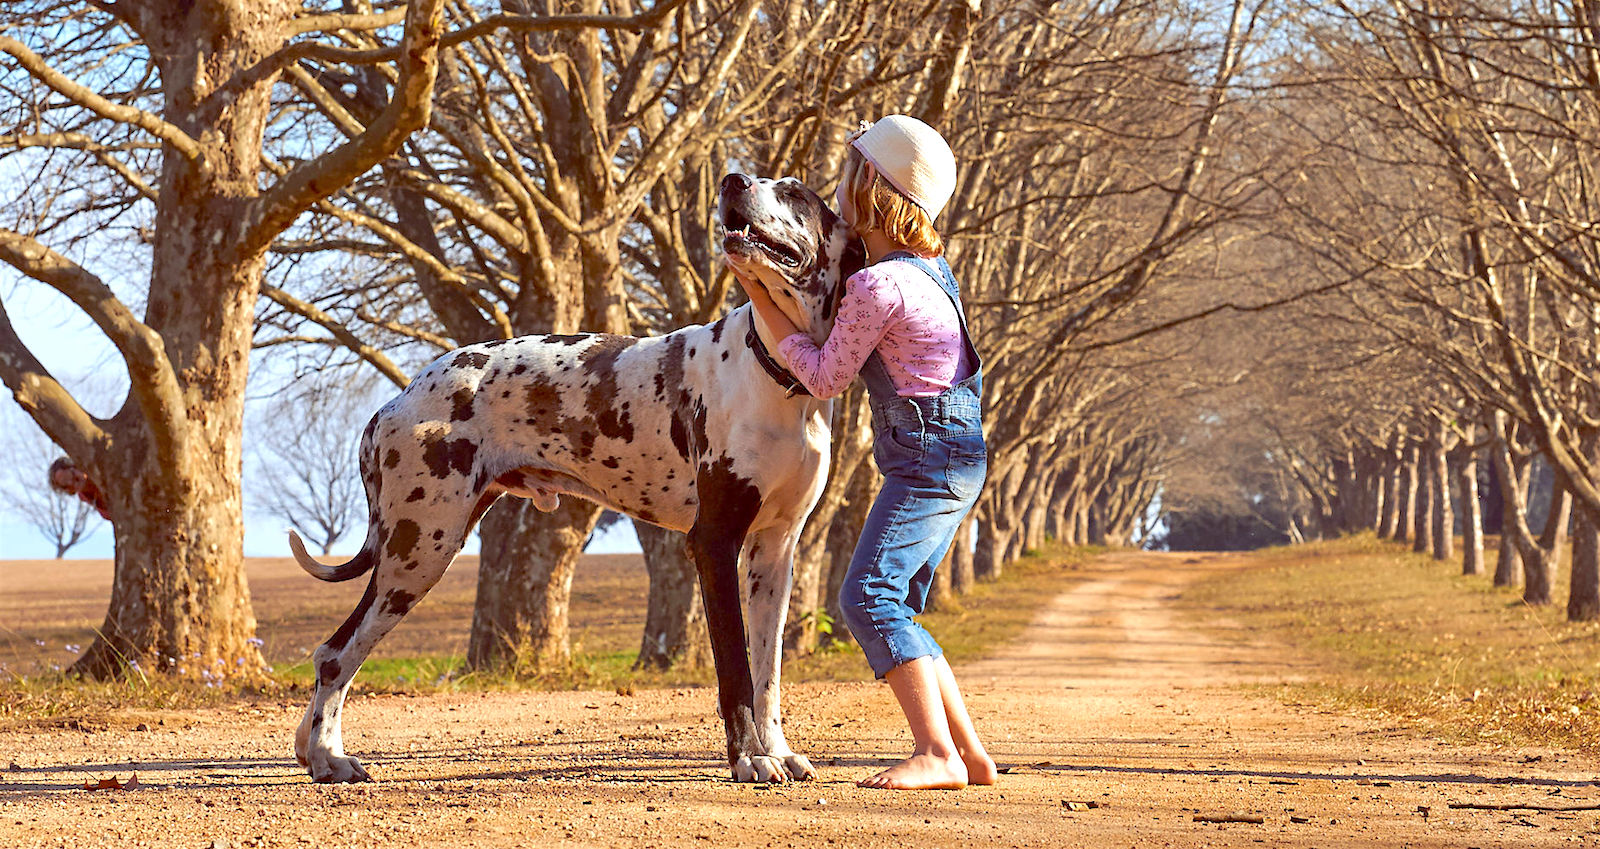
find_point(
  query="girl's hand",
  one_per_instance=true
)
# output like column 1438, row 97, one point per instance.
column 752, row 288
column 761, row 301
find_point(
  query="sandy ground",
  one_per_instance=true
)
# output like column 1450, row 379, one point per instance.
column 1113, row 697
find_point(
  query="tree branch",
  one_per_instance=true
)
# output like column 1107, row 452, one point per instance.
column 83, row 96
column 408, row 111
column 155, row 384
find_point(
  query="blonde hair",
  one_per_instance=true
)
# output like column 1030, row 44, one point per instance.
column 878, row 206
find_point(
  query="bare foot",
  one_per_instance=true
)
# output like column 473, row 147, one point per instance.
column 921, row 772
column 980, row 767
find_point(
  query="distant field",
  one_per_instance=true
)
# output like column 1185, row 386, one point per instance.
column 59, row 603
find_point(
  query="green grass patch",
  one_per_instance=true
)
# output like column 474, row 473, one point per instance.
column 1410, row 637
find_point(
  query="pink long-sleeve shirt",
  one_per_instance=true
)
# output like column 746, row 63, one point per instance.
column 896, row 309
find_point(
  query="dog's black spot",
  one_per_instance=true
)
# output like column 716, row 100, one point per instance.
column 600, row 360
column 701, row 441
column 680, row 435
column 404, row 539
column 691, row 353
column 610, row 462
column 444, row 457
column 495, row 344
column 567, row 338
column 391, row 459
column 469, row 359
column 316, row 721
column 410, row 564
column 438, row 535
column 416, row 495
column 724, row 356
column 717, row 327
column 328, row 671
column 669, row 369
column 461, row 404
column 519, row 368
column 399, row 602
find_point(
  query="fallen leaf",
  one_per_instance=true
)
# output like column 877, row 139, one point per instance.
column 113, row 784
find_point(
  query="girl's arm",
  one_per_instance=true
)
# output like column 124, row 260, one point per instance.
column 869, row 305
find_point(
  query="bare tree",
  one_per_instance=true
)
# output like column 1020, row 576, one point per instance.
column 167, row 141
column 61, row 518
column 306, row 471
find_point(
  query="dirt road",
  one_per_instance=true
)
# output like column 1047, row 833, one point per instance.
column 1112, row 698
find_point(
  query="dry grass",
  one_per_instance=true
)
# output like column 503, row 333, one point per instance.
column 1410, row 637
column 51, row 608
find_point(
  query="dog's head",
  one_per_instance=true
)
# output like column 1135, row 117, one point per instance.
column 781, row 234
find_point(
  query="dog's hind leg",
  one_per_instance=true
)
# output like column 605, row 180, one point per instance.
column 413, row 560
column 769, row 575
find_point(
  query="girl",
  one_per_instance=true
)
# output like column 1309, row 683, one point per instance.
column 901, row 327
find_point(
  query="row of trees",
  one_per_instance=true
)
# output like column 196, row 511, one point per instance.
column 358, row 187
column 1443, row 193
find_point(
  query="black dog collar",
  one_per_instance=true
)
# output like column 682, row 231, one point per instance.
column 791, row 385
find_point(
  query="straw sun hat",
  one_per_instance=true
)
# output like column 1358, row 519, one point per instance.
column 913, row 157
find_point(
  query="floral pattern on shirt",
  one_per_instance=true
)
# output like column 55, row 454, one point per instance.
column 897, row 309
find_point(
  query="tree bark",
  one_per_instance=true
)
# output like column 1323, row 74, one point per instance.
column 1512, row 474
column 1422, row 512
column 675, row 618
column 1583, row 601
column 1539, row 573
column 1443, row 516
column 1406, row 529
column 1471, row 514
column 519, row 619
column 1389, row 526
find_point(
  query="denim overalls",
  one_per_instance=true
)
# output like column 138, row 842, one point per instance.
column 931, row 454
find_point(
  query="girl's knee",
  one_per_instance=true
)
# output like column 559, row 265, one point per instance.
column 853, row 608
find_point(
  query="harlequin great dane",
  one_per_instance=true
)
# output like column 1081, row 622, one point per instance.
column 700, row 431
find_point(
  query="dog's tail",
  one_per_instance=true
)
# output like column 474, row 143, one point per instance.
column 367, row 557
column 357, row 565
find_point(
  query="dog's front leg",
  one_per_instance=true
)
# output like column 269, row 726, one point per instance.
column 769, row 576
column 716, row 560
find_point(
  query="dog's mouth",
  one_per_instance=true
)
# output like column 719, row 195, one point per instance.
column 740, row 236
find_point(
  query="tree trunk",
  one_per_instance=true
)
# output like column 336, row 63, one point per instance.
column 172, row 467
column 1512, row 474
column 1407, row 504
column 1471, row 514
column 1540, row 572
column 961, row 565
column 1583, row 602
column 1444, row 524
column 1422, row 512
column 1390, row 524
column 519, row 620
column 179, row 601
column 675, row 634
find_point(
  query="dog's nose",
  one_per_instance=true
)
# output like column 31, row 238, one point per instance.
column 736, row 183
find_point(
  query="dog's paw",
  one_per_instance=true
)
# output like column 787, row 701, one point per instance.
column 800, row 769
column 761, row 769
column 337, row 770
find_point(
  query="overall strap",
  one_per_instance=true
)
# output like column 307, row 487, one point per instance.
column 946, row 279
